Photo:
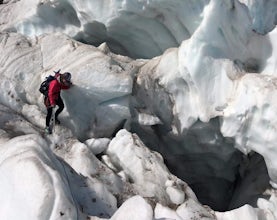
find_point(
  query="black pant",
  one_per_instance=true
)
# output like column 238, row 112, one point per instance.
column 60, row 104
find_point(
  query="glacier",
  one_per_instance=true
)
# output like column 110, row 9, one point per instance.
column 171, row 116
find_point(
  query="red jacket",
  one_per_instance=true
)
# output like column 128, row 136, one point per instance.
column 54, row 90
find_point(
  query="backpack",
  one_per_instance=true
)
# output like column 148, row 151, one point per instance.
column 45, row 85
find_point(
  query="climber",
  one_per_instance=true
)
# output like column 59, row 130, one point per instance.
column 53, row 98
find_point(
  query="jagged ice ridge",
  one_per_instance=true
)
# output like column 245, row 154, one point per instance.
column 171, row 116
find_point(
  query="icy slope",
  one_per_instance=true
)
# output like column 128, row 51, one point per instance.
column 207, row 106
column 33, row 179
column 58, row 177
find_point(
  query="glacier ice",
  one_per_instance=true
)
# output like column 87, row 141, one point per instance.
column 186, row 120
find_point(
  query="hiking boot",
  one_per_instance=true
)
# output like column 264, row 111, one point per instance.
column 48, row 130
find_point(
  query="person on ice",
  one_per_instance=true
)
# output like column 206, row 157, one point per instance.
column 53, row 98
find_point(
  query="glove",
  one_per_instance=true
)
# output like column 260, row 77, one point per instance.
column 68, row 83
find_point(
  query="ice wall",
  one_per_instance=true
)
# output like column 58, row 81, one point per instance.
column 208, row 102
column 134, row 28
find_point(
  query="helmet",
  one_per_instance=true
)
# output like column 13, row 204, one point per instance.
column 66, row 76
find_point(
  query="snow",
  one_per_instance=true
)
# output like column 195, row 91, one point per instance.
column 142, row 211
column 245, row 212
column 97, row 146
column 171, row 114
column 31, row 180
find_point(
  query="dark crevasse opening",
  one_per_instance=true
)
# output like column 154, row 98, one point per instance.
column 220, row 175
